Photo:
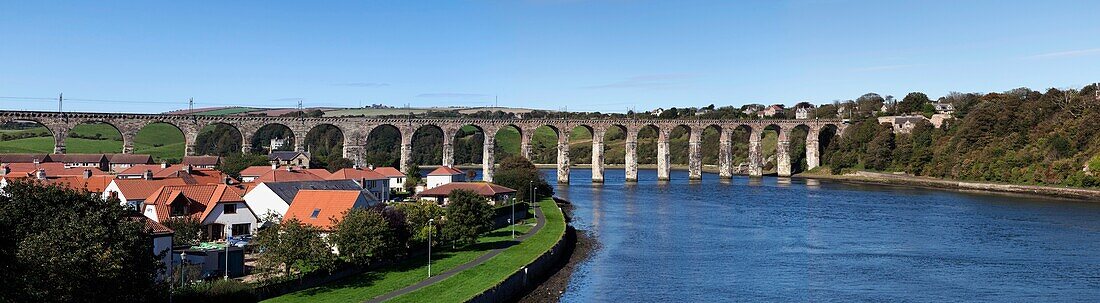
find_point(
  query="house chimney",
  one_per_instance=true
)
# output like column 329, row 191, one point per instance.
column 36, row 161
column 355, row 166
column 164, row 164
column 40, row 174
column 186, row 169
column 87, row 173
column 147, row 175
column 290, row 168
column 274, row 165
column 371, row 167
column 227, row 180
column 5, row 170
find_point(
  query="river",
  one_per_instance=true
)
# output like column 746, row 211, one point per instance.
column 775, row 239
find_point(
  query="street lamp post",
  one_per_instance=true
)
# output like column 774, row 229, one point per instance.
column 512, row 221
column 431, row 224
column 227, row 235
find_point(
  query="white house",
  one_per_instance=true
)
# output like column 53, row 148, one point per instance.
column 802, row 113
column 397, row 179
column 219, row 208
column 275, row 197
column 444, row 175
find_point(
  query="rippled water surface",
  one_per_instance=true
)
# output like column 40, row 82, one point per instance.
column 804, row 240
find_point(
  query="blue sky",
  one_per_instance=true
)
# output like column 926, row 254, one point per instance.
column 582, row 55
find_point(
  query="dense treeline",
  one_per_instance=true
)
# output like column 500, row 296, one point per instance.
column 1020, row 136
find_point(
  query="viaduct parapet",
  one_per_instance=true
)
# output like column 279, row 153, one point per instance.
column 355, row 131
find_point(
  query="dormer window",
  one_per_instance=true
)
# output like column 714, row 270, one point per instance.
column 179, row 209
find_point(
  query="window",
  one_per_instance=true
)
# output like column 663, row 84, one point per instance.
column 242, row 229
column 179, row 209
column 316, row 211
column 230, row 209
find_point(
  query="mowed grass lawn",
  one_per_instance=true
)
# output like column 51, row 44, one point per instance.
column 162, row 141
column 383, row 280
column 471, row 282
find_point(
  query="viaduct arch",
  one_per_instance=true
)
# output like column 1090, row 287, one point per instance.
column 356, row 129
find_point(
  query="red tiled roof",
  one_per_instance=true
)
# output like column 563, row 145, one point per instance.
column 320, row 172
column 389, row 172
column 483, row 189
column 197, row 175
column 356, row 174
column 140, row 169
column 257, row 171
column 329, row 204
column 53, row 169
column 201, row 199
column 140, row 188
column 445, row 171
column 153, row 227
column 282, row 175
column 95, row 184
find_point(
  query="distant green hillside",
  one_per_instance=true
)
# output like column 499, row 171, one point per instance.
column 162, row 141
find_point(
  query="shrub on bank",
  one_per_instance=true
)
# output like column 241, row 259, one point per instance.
column 216, row 291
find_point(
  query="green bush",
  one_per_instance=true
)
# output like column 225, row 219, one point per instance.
column 216, row 291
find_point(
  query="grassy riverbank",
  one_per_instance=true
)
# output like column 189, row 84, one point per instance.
column 471, row 282
column 383, row 280
column 940, row 184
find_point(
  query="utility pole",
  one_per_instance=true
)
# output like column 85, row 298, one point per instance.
column 301, row 114
column 190, row 106
column 60, row 97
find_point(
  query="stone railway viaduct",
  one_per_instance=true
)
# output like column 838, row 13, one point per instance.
column 355, row 131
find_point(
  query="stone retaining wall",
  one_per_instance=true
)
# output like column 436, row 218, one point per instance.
column 528, row 277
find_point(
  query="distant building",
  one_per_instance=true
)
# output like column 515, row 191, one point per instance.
column 98, row 161
column 491, row 192
column 371, row 181
column 202, row 161
column 656, row 112
column 277, row 173
column 444, row 175
column 294, row 158
column 770, row 111
column 944, row 108
column 120, row 162
column 397, row 179
column 802, row 113
column 25, row 158
column 902, row 124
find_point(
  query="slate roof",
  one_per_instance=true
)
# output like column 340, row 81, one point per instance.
column 24, row 158
column 78, row 158
column 201, row 160
column 130, row 159
column 53, row 169
column 284, row 155
column 287, row 190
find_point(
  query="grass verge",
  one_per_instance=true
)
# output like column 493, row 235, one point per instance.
column 471, row 282
column 383, row 280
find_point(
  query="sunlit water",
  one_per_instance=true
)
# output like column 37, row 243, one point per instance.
column 804, row 240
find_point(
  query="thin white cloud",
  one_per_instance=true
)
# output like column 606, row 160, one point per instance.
column 884, row 67
column 450, row 95
column 1063, row 54
column 646, row 81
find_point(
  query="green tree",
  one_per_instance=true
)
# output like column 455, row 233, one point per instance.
column 417, row 216
column 913, row 102
column 292, row 247
column 186, row 230
column 412, row 177
column 234, row 164
column 520, row 174
column 468, row 216
column 62, row 245
column 364, row 235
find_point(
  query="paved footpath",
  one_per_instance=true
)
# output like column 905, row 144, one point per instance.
column 539, row 222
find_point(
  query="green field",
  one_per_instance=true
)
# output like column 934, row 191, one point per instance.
column 471, row 282
column 372, row 112
column 226, row 111
column 383, row 280
column 162, row 141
